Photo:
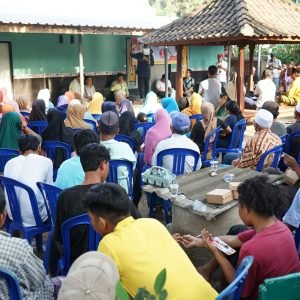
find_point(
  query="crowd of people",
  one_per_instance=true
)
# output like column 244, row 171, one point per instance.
column 134, row 249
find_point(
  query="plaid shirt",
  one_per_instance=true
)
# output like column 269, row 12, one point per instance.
column 17, row 257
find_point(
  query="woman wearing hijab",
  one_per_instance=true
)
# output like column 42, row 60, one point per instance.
column 38, row 111
column 70, row 95
column 96, row 104
column 209, row 122
column 22, row 102
column 44, row 94
column 57, row 131
column 194, row 107
column 7, row 108
column 160, row 131
column 109, row 105
column 11, row 129
column 63, row 104
column 150, row 106
column 169, row 104
column 75, row 117
column 5, row 100
column 125, row 105
column 126, row 125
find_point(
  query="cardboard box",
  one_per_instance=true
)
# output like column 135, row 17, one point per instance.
column 234, row 186
column 290, row 177
column 235, row 195
column 219, row 196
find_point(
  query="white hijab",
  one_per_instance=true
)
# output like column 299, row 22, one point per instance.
column 150, row 106
column 44, row 94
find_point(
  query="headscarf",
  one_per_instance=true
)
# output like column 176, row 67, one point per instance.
column 169, row 104
column 194, row 107
column 75, row 102
column 10, row 130
column 38, row 111
column 150, row 106
column 62, row 104
column 70, row 95
column 44, row 94
column 5, row 100
column 109, row 105
column 96, row 104
column 125, row 105
column 7, row 108
column 160, row 131
column 75, row 117
column 209, row 122
column 126, row 125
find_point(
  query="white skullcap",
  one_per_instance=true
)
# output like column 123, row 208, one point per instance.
column 92, row 276
column 298, row 108
column 264, row 118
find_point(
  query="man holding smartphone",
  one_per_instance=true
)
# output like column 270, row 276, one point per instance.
column 222, row 66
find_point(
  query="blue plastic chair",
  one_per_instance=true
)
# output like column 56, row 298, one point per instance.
column 289, row 140
column 126, row 139
column 277, row 151
column 13, row 286
column 114, row 164
column 196, row 117
column 150, row 117
column 145, row 127
column 283, row 139
column 297, row 238
column 51, row 148
column 91, row 122
column 50, row 192
column 67, row 226
column 97, row 117
column 38, row 126
column 205, row 160
column 234, row 290
column 25, row 114
column 238, row 129
column 10, row 186
column 179, row 156
column 5, row 156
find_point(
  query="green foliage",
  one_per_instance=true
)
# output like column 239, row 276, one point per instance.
column 142, row 293
column 287, row 53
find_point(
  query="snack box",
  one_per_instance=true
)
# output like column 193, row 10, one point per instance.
column 290, row 177
column 234, row 186
column 219, row 196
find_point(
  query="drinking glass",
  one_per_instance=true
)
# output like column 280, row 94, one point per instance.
column 228, row 177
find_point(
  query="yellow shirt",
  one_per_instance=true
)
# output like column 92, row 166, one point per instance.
column 294, row 90
column 142, row 248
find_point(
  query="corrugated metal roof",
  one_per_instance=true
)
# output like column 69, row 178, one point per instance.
column 232, row 19
column 129, row 14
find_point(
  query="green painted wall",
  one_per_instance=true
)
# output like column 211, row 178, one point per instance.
column 43, row 54
column 201, row 57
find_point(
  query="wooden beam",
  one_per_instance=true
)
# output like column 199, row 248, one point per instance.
column 250, row 82
column 240, row 78
column 179, row 80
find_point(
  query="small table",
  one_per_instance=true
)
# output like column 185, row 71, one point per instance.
column 217, row 219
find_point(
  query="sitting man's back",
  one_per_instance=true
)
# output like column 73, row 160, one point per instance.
column 142, row 248
column 30, row 168
column 180, row 126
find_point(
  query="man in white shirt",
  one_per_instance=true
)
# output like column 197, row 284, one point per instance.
column 265, row 89
column 29, row 168
column 180, row 126
column 109, row 127
column 210, row 89
column 161, row 87
column 222, row 66
column 75, row 87
column 274, row 64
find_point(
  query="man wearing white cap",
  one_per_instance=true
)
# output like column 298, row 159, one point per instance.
column 295, row 145
column 262, row 141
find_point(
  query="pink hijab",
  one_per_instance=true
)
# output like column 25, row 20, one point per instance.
column 160, row 131
column 5, row 100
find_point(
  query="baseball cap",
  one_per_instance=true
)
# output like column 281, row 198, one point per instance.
column 220, row 55
column 92, row 276
column 109, row 122
column 264, row 118
column 181, row 122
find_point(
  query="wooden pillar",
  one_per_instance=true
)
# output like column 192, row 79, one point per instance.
column 166, row 71
column 250, row 85
column 179, row 80
column 80, row 53
column 240, row 78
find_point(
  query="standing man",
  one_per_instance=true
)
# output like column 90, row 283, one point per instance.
column 145, row 61
column 222, row 66
column 274, row 64
column 75, row 87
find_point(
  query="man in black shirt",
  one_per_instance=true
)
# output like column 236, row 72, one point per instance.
column 295, row 144
column 94, row 159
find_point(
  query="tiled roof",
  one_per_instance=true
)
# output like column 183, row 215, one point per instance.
column 232, row 20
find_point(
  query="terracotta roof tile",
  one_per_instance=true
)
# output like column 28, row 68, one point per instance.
column 232, row 19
